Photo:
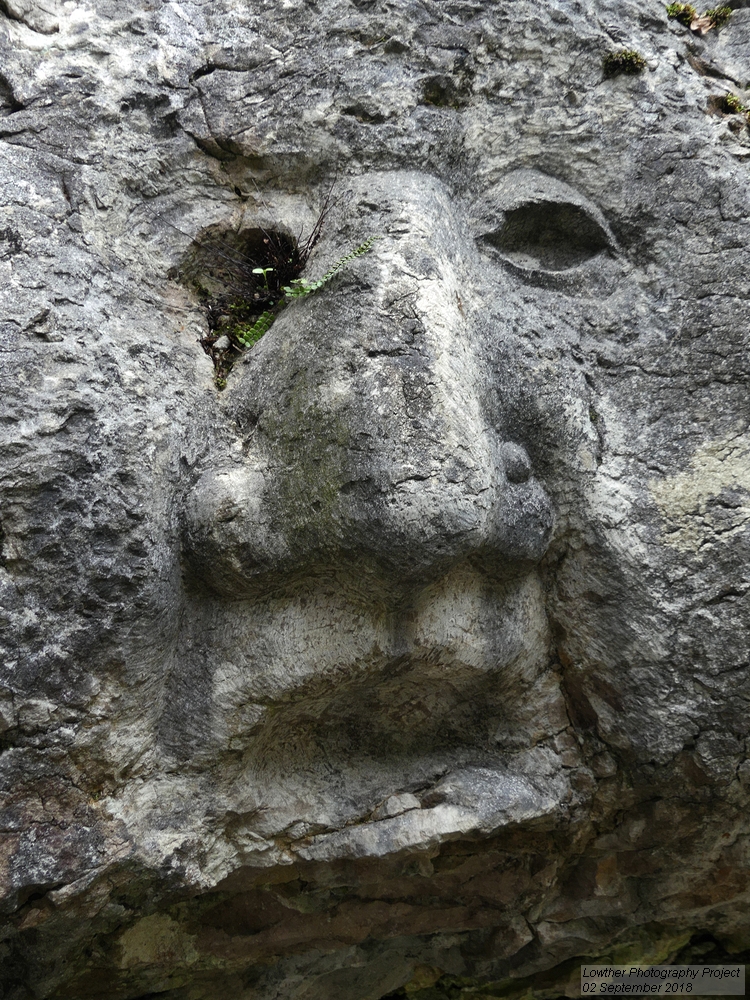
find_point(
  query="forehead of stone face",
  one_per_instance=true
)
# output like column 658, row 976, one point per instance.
column 471, row 92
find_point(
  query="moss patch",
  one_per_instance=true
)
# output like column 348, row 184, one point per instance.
column 718, row 15
column 624, row 61
column 685, row 13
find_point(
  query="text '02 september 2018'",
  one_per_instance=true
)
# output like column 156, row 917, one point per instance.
column 661, row 980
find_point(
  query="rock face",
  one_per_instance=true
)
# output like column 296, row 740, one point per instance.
column 416, row 659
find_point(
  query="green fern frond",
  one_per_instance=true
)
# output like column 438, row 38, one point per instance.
column 297, row 289
column 249, row 335
column 360, row 250
column 302, row 286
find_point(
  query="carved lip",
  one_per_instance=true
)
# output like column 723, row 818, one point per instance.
column 473, row 801
column 400, row 759
column 468, row 800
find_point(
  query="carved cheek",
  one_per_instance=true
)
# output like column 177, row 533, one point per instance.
column 228, row 536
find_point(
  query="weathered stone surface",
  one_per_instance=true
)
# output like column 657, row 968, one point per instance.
column 417, row 658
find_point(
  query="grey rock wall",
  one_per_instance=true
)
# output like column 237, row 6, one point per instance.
column 415, row 660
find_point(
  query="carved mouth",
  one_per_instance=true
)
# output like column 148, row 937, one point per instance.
column 400, row 758
column 331, row 710
column 403, row 708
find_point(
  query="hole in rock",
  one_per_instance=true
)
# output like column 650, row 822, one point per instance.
column 441, row 92
column 366, row 115
column 239, row 277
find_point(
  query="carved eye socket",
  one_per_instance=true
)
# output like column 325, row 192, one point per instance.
column 547, row 236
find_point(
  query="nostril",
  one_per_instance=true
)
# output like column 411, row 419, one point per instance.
column 517, row 463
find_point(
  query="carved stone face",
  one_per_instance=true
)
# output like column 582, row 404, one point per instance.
column 457, row 559
column 373, row 546
column 430, row 551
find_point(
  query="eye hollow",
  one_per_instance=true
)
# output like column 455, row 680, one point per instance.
column 549, row 236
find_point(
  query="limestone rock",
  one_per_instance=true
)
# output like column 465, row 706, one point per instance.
column 410, row 654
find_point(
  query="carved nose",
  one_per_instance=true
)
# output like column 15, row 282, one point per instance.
column 261, row 520
column 365, row 431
